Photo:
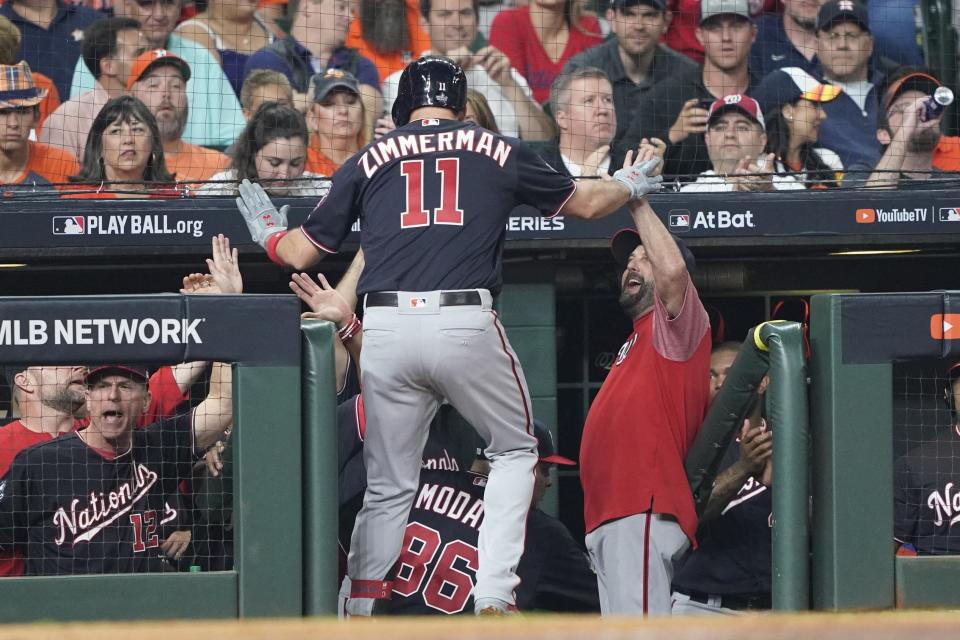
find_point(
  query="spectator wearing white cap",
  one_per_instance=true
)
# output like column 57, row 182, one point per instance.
column 793, row 110
column 735, row 140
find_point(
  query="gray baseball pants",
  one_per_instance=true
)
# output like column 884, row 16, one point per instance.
column 415, row 355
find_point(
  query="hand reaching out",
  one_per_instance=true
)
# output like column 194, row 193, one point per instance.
column 224, row 275
column 324, row 301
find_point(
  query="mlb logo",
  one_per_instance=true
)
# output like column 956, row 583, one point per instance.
column 679, row 220
column 418, row 303
column 430, row 122
column 69, row 225
column 950, row 214
column 866, row 216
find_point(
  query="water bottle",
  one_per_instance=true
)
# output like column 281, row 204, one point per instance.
column 935, row 104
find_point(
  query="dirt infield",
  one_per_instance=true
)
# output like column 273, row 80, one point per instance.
column 872, row 626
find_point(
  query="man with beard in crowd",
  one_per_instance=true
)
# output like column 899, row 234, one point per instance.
column 389, row 32
column 215, row 118
column 786, row 40
column 159, row 78
column 909, row 139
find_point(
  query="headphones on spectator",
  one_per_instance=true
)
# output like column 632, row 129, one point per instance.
column 952, row 374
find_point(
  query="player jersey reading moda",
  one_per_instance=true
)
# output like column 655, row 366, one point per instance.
column 647, row 414
column 437, row 567
column 436, row 196
column 74, row 509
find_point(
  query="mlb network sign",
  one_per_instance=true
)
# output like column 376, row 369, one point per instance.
column 100, row 331
column 126, row 224
column 681, row 220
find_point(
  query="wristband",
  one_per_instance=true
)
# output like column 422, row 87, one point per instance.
column 271, row 247
column 350, row 329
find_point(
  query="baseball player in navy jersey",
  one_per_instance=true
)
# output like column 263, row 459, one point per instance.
column 434, row 196
column 927, row 484
column 730, row 570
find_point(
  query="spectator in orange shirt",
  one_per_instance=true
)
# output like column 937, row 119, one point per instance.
column 159, row 78
column 9, row 46
column 124, row 155
column 336, row 119
column 30, row 165
column 389, row 32
column 946, row 156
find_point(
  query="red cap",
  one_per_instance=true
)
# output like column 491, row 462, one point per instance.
column 154, row 58
column 739, row 102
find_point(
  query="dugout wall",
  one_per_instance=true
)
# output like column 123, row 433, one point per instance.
column 856, row 340
column 267, row 579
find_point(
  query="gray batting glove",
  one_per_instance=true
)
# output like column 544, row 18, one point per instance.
column 637, row 177
column 262, row 218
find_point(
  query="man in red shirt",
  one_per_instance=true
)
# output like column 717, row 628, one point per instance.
column 638, row 510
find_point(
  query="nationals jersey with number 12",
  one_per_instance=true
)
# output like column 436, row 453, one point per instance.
column 434, row 213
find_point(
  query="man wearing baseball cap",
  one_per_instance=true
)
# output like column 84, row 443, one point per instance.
column 736, row 137
column 634, row 60
column 325, row 87
column 638, row 510
column 158, row 78
column 22, row 161
column 675, row 110
column 215, row 117
column 908, row 135
column 845, row 52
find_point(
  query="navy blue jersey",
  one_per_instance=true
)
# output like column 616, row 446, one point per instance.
column 437, row 567
column 433, row 198
column 927, row 496
column 554, row 571
column 735, row 549
column 72, row 510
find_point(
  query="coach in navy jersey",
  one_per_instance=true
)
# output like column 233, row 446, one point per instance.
column 434, row 197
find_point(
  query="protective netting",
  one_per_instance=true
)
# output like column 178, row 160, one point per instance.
column 166, row 98
column 927, row 458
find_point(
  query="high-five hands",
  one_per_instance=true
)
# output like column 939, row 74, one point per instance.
column 641, row 175
column 262, row 218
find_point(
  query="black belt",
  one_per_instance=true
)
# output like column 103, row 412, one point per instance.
column 738, row 602
column 447, row 299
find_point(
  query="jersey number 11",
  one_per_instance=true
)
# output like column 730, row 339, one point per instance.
column 449, row 211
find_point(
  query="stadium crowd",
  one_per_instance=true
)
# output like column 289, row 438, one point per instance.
column 748, row 96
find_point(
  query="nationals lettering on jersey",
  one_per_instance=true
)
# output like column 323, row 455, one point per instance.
column 437, row 567
column 71, row 509
column 735, row 549
column 927, row 496
column 435, row 197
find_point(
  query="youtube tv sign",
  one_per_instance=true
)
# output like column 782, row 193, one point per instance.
column 945, row 326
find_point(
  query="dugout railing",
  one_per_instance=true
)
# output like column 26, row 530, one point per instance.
column 260, row 335
column 776, row 349
column 856, row 339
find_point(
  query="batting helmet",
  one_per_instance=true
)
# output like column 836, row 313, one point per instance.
column 430, row 81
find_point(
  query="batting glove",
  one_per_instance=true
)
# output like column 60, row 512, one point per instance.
column 262, row 218
column 637, row 177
